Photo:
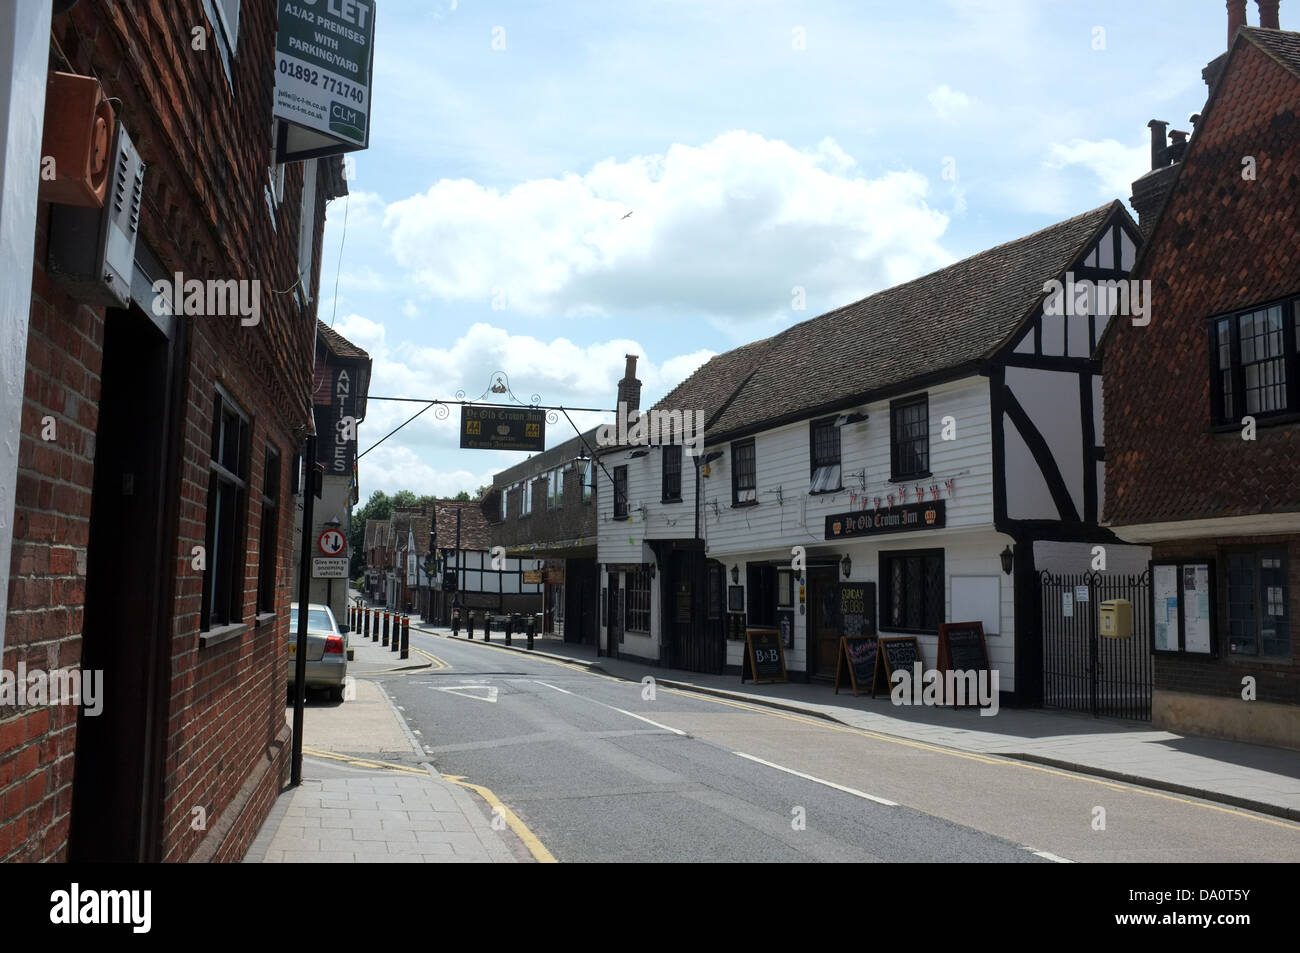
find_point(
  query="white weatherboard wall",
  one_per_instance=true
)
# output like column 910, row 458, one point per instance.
column 639, row 644
column 620, row 541
column 24, row 59
column 789, row 517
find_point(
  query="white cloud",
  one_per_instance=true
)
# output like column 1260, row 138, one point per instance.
column 1114, row 164
column 724, row 229
column 950, row 104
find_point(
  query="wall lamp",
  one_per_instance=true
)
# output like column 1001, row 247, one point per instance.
column 735, row 574
column 1008, row 558
column 846, row 564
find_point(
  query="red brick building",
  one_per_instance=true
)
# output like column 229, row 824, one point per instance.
column 154, row 515
column 1203, row 404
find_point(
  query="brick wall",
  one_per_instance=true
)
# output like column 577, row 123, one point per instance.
column 207, row 151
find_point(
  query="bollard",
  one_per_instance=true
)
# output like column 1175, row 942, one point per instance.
column 397, row 633
column 510, row 624
column 372, row 629
column 455, row 623
column 406, row 637
column 532, row 626
column 469, row 626
column 487, row 627
column 383, row 628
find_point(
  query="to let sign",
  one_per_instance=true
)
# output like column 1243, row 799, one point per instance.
column 498, row 428
column 324, row 55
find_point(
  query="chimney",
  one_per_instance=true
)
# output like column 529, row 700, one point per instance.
column 1236, row 18
column 629, row 388
column 1158, row 127
column 1149, row 191
column 1268, row 14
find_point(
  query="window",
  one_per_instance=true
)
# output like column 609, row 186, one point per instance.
column 638, row 602
column 588, row 479
column 307, row 229
column 224, row 17
column 526, row 500
column 223, row 591
column 620, row 493
column 505, row 501
column 912, row 597
column 824, row 448
column 1255, row 362
column 1258, row 621
column 553, row 489
column 269, row 550
column 672, row 472
column 909, row 429
column 743, row 477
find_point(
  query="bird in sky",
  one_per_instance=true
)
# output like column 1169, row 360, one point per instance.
column 628, row 215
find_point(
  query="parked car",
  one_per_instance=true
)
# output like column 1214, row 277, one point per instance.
column 327, row 661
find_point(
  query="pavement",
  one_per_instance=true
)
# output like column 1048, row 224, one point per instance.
column 369, row 792
column 1254, row 777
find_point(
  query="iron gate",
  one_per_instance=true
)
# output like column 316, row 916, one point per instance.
column 1081, row 670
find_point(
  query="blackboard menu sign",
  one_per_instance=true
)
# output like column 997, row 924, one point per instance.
column 785, row 622
column 962, row 647
column 857, row 662
column 857, row 609
column 900, row 653
column 764, row 661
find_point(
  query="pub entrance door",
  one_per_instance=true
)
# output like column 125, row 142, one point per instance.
column 823, row 636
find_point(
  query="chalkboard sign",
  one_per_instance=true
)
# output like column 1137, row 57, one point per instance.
column 857, row 609
column 785, row 622
column 962, row 647
column 900, row 654
column 764, row 661
column 857, row 662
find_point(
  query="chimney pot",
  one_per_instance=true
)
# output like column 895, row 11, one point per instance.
column 629, row 388
column 1236, row 18
column 1158, row 127
column 1268, row 14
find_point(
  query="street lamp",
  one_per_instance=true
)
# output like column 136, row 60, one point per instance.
column 1008, row 560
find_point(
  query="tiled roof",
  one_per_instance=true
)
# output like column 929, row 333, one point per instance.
column 474, row 532
column 953, row 317
column 1282, row 45
column 420, row 527
column 339, row 345
column 376, row 533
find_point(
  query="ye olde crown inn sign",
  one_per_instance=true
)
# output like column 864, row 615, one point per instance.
column 496, row 428
column 324, row 56
column 897, row 519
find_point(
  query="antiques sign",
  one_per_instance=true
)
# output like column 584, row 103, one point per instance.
column 496, row 428
column 898, row 519
column 336, row 425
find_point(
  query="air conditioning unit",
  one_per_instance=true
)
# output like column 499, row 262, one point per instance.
column 92, row 251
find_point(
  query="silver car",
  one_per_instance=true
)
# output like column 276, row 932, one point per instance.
column 327, row 660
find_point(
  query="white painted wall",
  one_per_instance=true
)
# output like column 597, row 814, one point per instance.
column 24, row 59
column 1051, row 399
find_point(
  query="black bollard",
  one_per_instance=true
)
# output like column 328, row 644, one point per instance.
column 532, row 628
column 397, row 633
column 487, row 627
column 455, row 623
column 406, row 637
column 383, row 628
column 469, row 626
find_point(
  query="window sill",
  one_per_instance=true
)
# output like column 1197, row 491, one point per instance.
column 671, row 499
column 741, row 506
column 909, row 477
column 263, row 617
column 1271, row 420
column 838, row 489
column 222, row 633
column 619, row 519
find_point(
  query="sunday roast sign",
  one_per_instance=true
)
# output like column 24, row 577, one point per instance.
column 497, row 428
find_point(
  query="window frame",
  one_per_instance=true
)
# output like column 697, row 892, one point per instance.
column 819, row 463
column 737, row 446
column 221, row 478
column 896, row 407
column 1259, row 600
column 886, row 592
column 589, row 480
column 225, row 33
column 1289, row 359
column 620, row 495
column 670, row 469
column 637, row 602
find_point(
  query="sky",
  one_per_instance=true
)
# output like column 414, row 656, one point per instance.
column 777, row 159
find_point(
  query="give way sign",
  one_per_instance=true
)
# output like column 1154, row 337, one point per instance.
column 332, row 542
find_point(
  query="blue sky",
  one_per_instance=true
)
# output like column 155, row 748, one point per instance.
column 838, row 148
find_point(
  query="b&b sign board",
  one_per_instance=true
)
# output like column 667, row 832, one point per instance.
column 764, row 660
column 324, row 58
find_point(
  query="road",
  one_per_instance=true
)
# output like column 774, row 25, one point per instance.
column 602, row 769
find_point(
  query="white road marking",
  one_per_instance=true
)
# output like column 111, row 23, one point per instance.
column 556, row 687
column 676, row 731
column 465, row 690
column 1049, row 856
column 809, row 777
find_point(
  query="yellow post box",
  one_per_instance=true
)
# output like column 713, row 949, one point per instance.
column 1116, row 619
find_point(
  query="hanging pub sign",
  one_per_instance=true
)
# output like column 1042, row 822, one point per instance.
column 324, row 58
column 497, row 428
column 894, row 519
